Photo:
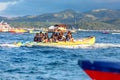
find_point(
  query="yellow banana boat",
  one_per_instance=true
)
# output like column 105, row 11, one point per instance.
column 85, row 41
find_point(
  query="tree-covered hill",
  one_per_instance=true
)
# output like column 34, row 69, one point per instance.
column 94, row 19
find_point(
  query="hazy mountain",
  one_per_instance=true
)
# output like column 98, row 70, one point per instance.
column 63, row 17
column 2, row 18
column 114, row 22
column 71, row 15
column 94, row 19
column 104, row 14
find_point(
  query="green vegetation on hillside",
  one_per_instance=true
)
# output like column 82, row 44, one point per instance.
column 96, row 19
column 32, row 24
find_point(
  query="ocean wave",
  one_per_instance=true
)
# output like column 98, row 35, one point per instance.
column 96, row 45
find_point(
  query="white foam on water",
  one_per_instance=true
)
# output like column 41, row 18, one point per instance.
column 105, row 45
column 71, row 47
column 96, row 45
column 8, row 45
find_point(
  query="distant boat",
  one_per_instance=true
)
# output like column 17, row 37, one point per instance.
column 101, row 70
column 105, row 32
column 73, row 30
column 57, row 28
column 4, row 27
column 36, row 31
column 17, row 30
column 116, row 33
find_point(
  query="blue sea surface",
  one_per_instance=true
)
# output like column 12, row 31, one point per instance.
column 53, row 63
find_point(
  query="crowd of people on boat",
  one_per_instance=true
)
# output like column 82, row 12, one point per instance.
column 55, row 37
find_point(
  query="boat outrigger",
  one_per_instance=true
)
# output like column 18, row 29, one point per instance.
column 84, row 41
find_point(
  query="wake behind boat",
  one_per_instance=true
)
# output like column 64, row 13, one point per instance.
column 8, row 45
column 101, row 70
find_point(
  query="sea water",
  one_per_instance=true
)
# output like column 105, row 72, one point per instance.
column 53, row 63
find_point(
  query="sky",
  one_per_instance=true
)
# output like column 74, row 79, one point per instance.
column 14, row 8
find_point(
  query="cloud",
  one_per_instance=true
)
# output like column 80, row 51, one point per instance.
column 36, row 7
column 4, row 5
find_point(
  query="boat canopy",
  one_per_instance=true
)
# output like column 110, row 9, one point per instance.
column 52, row 27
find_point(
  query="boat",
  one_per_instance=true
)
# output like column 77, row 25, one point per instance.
column 116, row 33
column 106, row 32
column 73, row 30
column 57, row 28
column 101, row 70
column 17, row 30
column 84, row 41
column 34, row 32
column 4, row 26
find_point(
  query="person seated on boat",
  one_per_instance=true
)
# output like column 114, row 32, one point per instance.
column 40, row 37
column 51, row 38
column 36, row 37
column 69, row 36
column 61, row 36
column 46, row 38
column 54, row 37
